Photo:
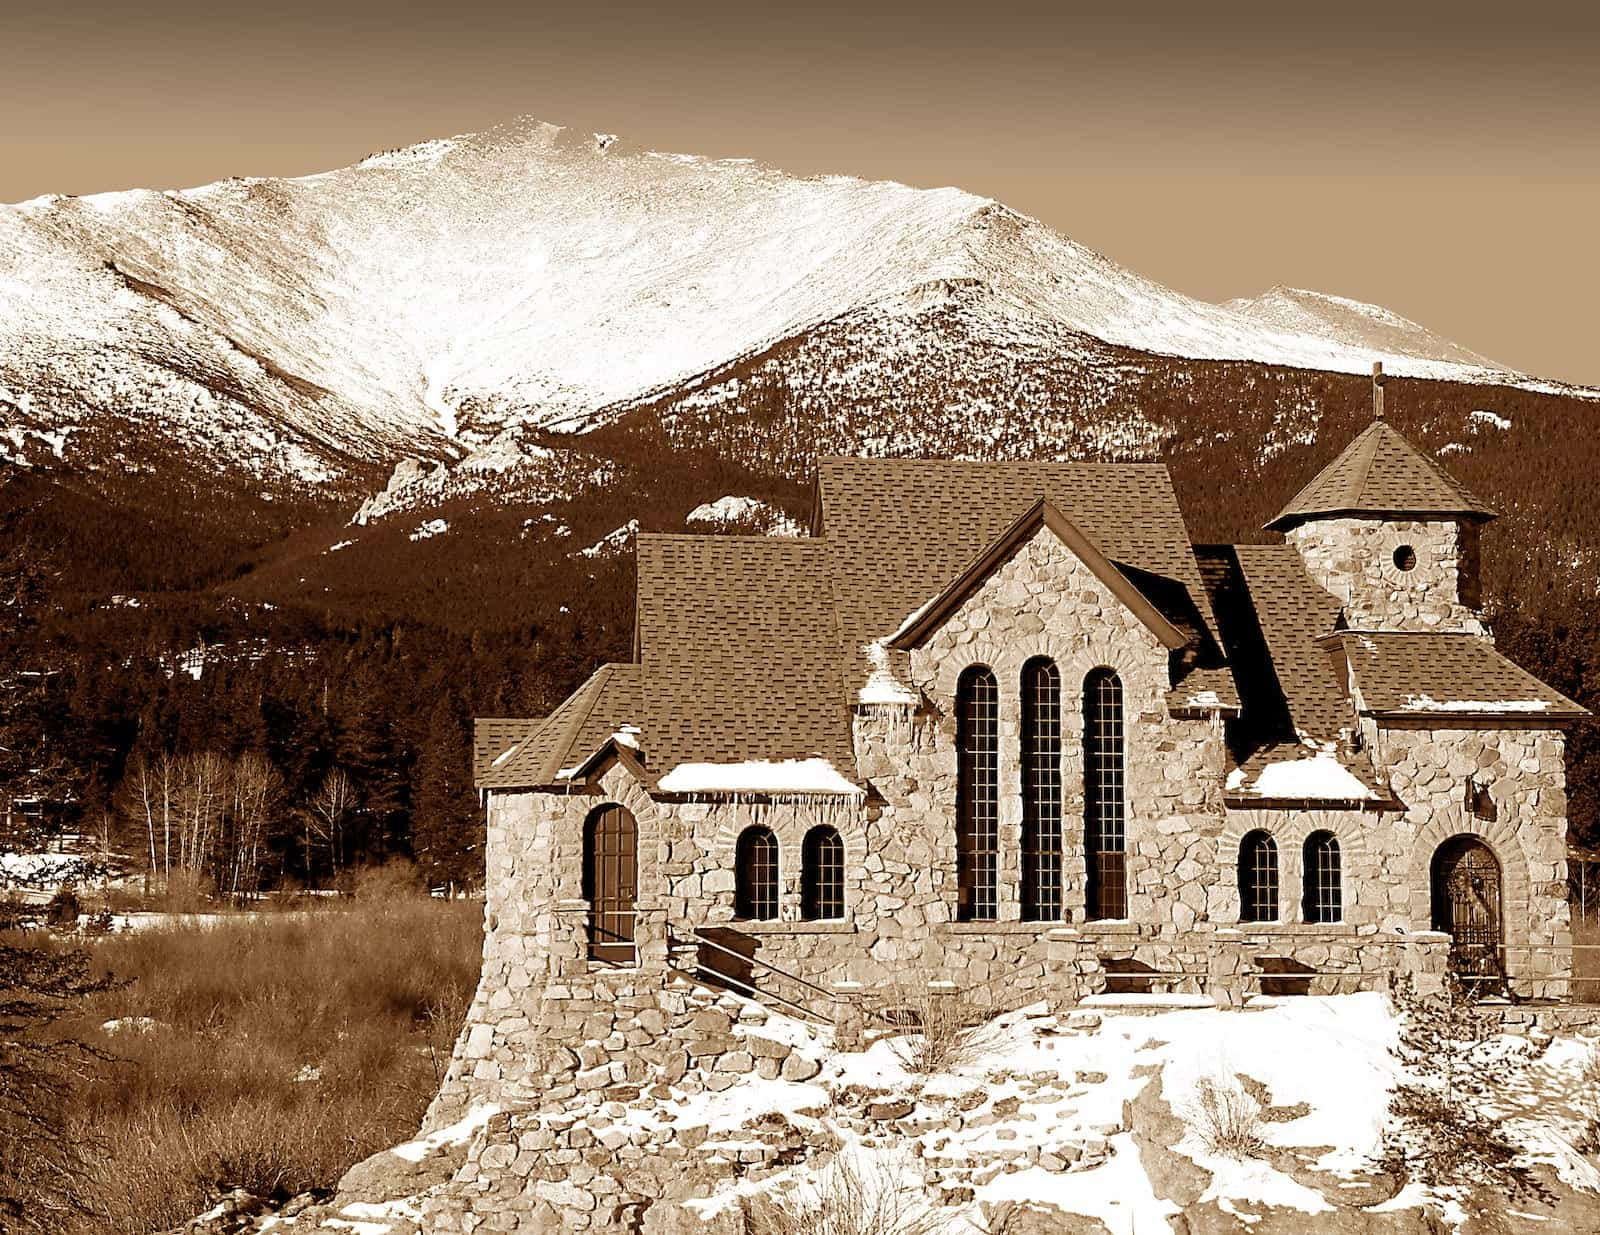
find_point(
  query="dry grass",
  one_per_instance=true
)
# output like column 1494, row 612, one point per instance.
column 282, row 1052
column 853, row 1195
column 1224, row 1118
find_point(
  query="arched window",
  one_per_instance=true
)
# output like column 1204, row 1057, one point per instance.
column 978, row 796
column 1041, row 791
column 755, row 875
column 1104, row 806
column 610, row 882
column 822, row 874
column 1258, row 878
column 1324, row 897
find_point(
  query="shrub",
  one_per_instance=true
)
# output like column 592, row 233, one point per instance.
column 1224, row 1117
column 851, row 1196
column 942, row 1028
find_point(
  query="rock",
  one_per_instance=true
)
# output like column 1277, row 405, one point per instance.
column 886, row 1109
column 671, row 1218
column 1037, row 1218
column 799, row 1068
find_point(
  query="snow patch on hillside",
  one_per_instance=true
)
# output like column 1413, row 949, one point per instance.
column 745, row 512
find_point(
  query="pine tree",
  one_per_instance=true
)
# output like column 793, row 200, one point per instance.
column 1453, row 1058
column 446, row 822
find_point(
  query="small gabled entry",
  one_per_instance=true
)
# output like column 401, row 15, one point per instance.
column 610, row 883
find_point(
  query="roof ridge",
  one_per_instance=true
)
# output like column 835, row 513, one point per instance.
column 1044, row 513
column 575, row 721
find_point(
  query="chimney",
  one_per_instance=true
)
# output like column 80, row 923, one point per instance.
column 1377, row 390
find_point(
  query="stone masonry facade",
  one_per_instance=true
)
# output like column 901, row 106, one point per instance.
column 1396, row 574
column 540, row 989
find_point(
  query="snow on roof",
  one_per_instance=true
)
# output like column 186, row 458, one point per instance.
column 1321, row 777
column 1426, row 703
column 882, row 686
column 758, row 776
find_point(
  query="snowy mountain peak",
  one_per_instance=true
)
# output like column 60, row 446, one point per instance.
column 427, row 300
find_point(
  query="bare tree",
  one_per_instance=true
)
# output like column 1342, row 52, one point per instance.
column 327, row 813
column 255, row 794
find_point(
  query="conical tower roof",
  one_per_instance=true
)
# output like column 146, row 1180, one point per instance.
column 1381, row 473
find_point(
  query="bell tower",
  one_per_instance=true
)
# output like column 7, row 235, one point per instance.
column 1390, row 533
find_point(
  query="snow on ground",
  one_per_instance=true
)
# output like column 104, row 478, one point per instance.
column 458, row 1133
column 1482, row 416
column 43, row 870
column 613, row 542
column 429, row 528
column 1043, row 1093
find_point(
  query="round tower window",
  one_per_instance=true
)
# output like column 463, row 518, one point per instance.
column 1405, row 557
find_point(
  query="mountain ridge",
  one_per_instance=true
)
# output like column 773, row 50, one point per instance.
column 460, row 294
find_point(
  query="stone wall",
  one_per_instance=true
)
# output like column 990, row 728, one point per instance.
column 581, row 1153
column 1523, row 770
column 1355, row 560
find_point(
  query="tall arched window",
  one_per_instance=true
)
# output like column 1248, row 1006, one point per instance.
column 822, row 874
column 611, row 882
column 978, row 796
column 1324, row 893
column 1258, row 878
column 755, row 875
column 1041, row 791
column 1104, row 804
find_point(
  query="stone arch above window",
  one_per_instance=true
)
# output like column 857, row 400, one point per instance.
column 977, row 795
column 1323, row 900
column 755, row 875
column 1104, row 795
column 822, row 874
column 1258, row 877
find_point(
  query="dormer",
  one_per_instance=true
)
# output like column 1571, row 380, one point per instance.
column 1390, row 533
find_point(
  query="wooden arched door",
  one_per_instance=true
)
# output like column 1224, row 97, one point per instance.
column 610, row 883
column 1467, row 907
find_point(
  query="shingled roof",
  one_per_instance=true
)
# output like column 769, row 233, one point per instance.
column 1380, row 473
column 900, row 531
column 740, row 652
column 753, row 651
column 588, row 717
column 1292, row 740
column 1429, row 676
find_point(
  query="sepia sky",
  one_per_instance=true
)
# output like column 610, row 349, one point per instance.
column 1443, row 161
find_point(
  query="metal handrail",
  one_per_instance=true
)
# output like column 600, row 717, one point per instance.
column 800, row 1010
column 700, row 938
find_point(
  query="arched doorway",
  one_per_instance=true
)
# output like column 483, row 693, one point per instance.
column 610, row 882
column 1466, row 906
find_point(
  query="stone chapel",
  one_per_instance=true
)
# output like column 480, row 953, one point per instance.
column 988, row 713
